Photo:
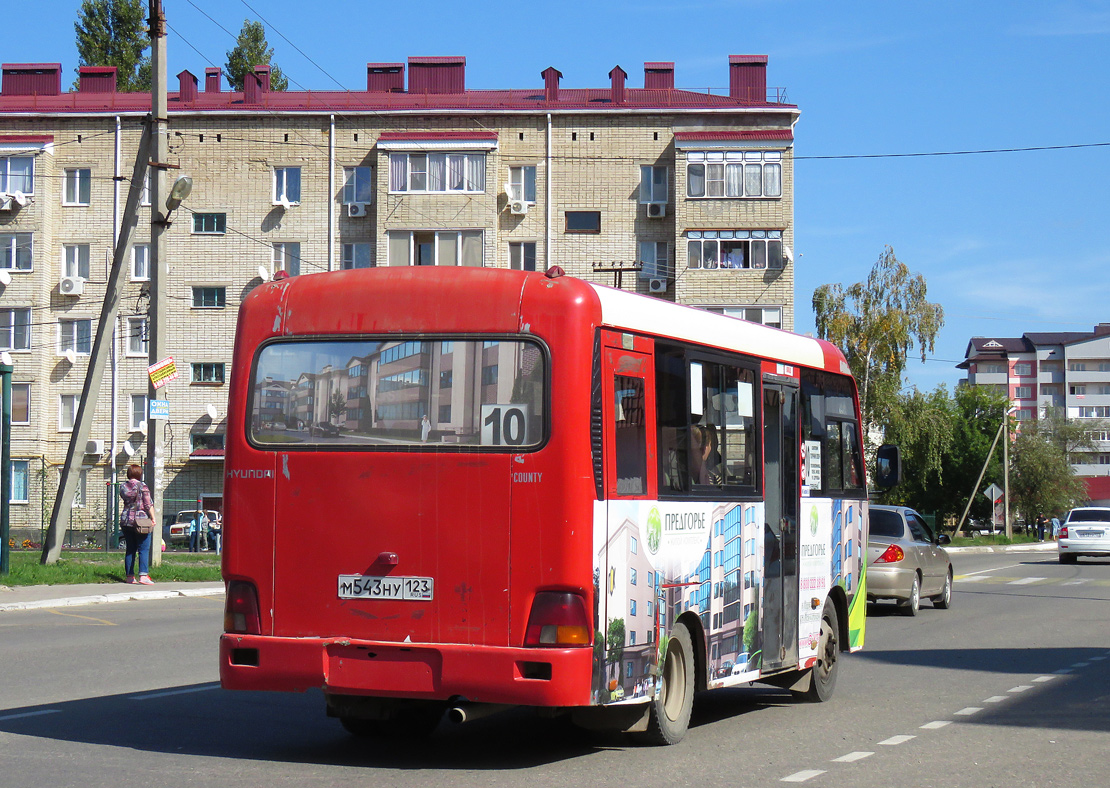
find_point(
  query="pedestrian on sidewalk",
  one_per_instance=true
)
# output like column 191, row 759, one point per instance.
column 1042, row 521
column 137, row 525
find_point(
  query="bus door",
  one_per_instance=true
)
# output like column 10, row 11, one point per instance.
column 630, row 476
column 780, row 530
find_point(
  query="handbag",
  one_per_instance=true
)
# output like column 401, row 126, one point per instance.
column 143, row 523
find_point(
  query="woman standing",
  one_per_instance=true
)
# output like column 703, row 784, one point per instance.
column 137, row 524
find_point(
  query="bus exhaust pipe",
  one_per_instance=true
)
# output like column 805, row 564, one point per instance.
column 468, row 712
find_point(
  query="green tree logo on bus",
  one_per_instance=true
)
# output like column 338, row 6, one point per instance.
column 813, row 520
column 654, row 530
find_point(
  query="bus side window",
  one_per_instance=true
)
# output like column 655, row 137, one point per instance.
column 853, row 466
column 630, row 436
column 834, row 457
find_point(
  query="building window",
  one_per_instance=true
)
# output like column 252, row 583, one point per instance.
column 766, row 315
column 15, row 329
column 522, row 256
column 1023, row 392
column 68, row 405
column 631, row 642
column 287, row 185
column 140, row 263
column 78, row 186
column 734, row 174
column 444, row 414
column 20, row 478
column 21, row 403
column 138, row 412
column 208, row 372
column 437, row 173
column 17, row 174
column 1093, row 412
column 441, row 247
column 632, row 576
column 80, row 489
column 489, row 375
column 144, row 195
column 287, row 258
column 1023, row 369
column 75, row 260
column 655, row 260
column 17, row 249
column 358, row 185
column 653, row 184
column 209, row 223
column 989, row 369
column 75, row 335
column 633, row 545
column 583, row 222
column 632, row 607
column 137, row 337
column 1077, row 366
column 522, row 184
column 209, row 297
column 203, row 440
column 711, row 250
column 357, row 255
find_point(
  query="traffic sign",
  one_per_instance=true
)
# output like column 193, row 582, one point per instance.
column 994, row 493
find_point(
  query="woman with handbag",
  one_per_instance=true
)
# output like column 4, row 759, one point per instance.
column 137, row 524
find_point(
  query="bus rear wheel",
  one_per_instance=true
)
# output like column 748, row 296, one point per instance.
column 669, row 715
column 822, row 680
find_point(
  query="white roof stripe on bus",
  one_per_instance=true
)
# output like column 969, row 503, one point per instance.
column 621, row 309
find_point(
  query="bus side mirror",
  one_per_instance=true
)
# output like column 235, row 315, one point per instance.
column 888, row 470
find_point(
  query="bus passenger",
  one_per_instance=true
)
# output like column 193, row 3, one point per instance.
column 705, row 460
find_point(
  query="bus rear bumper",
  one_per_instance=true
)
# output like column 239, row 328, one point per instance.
column 482, row 674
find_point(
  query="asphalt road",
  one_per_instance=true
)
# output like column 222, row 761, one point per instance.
column 1008, row 688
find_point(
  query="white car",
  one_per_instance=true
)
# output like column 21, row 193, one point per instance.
column 1085, row 532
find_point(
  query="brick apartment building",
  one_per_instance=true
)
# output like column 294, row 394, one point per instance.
column 1068, row 371
column 690, row 192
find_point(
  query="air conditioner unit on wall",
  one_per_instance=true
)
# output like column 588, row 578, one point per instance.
column 656, row 210
column 356, row 210
column 518, row 207
column 94, row 447
column 657, row 285
column 71, row 286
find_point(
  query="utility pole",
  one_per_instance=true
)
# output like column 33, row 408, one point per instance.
column 1006, row 479
column 159, row 223
column 94, row 375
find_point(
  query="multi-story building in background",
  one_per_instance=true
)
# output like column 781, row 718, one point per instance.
column 1067, row 372
column 684, row 195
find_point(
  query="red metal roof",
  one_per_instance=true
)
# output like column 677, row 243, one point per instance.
column 387, row 136
column 739, row 134
column 1098, row 487
column 26, row 138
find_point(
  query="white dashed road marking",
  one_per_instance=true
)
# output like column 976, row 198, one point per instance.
column 1062, row 671
column 1026, row 581
column 1020, row 688
column 969, row 711
column 167, row 693
column 932, row 726
column 896, row 740
column 1081, row 664
column 1042, row 679
column 995, row 699
column 801, row 777
column 852, row 757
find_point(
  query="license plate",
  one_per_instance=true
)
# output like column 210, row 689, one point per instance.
column 1088, row 533
column 412, row 589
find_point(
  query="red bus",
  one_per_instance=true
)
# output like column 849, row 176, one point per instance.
column 456, row 490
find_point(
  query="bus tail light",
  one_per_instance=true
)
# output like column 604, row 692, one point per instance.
column 558, row 618
column 241, row 609
column 891, row 555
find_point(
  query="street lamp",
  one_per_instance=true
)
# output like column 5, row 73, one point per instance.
column 181, row 189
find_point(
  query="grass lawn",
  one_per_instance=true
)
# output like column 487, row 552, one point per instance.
column 993, row 540
column 100, row 567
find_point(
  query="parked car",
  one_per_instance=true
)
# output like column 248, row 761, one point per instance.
column 325, row 429
column 1085, row 532
column 906, row 561
column 725, row 670
column 179, row 528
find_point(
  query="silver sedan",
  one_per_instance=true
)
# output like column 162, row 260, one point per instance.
column 906, row 561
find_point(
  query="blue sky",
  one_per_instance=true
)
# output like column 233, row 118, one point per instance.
column 1008, row 242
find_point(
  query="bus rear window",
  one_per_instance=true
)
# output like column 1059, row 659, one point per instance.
column 401, row 392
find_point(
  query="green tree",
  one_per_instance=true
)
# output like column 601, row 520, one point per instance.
column 1041, row 478
column 252, row 50
column 614, row 640
column 337, row 404
column 876, row 323
column 113, row 33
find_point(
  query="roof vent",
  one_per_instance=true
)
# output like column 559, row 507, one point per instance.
column 618, row 76
column 187, row 90
column 437, row 75
column 747, row 78
column 659, row 76
column 256, row 85
column 31, row 79
column 551, row 77
column 96, row 79
column 385, row 77
column 213, row 78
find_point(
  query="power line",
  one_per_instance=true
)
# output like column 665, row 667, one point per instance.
column 955, row 152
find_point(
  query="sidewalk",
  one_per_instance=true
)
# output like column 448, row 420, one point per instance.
column 1028, row 547
column 39, row 597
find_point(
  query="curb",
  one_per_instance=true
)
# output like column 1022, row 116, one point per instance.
column 100, row 599
column 1030, row 547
